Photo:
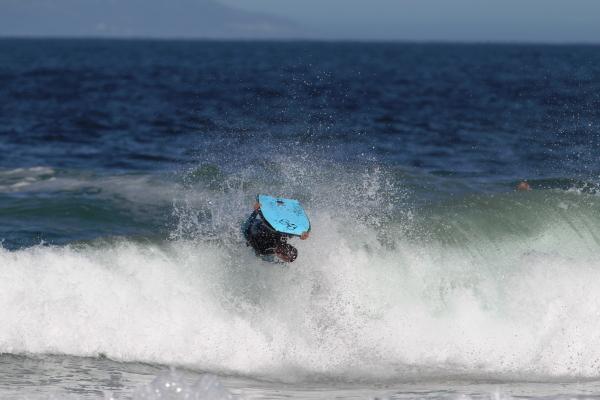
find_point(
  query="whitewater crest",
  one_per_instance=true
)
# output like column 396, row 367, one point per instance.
column 351, row 306
column 482, row 286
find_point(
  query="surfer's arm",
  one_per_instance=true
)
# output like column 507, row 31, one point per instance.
column 252, row 217
column 247, row 225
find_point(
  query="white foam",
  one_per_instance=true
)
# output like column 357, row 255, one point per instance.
column 18, row 179
column 40, row 170
column 140, row 189
column 348, row 307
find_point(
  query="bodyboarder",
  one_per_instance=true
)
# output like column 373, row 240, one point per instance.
column 267, row 241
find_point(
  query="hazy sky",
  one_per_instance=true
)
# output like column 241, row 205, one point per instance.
column 470, row 20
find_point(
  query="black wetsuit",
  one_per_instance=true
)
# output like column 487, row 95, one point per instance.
column 259, row 234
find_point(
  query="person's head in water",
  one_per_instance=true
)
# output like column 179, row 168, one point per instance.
column 523, row 186
column 286, row 252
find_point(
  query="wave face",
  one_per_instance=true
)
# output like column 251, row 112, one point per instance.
column 483, row 285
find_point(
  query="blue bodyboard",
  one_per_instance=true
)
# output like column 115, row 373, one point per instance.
column 284, row 215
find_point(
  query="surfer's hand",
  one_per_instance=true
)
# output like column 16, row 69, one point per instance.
column 256, row 206
column 304, row 236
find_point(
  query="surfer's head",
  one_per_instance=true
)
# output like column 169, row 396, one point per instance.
column 286, row 252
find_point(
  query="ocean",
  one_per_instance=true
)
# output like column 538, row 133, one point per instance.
column 128, row 166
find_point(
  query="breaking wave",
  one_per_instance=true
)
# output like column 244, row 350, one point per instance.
column 385, row 289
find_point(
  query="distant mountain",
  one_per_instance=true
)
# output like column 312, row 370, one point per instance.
column 138, row 18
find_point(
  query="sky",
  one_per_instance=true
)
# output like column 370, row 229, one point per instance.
column 537, row 21
column 447, row 20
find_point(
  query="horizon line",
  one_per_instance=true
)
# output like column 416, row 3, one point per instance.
column 300, row 40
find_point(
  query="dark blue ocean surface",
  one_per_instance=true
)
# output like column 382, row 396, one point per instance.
column 445, row 119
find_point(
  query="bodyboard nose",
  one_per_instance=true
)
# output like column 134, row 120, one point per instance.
column 284, row 215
